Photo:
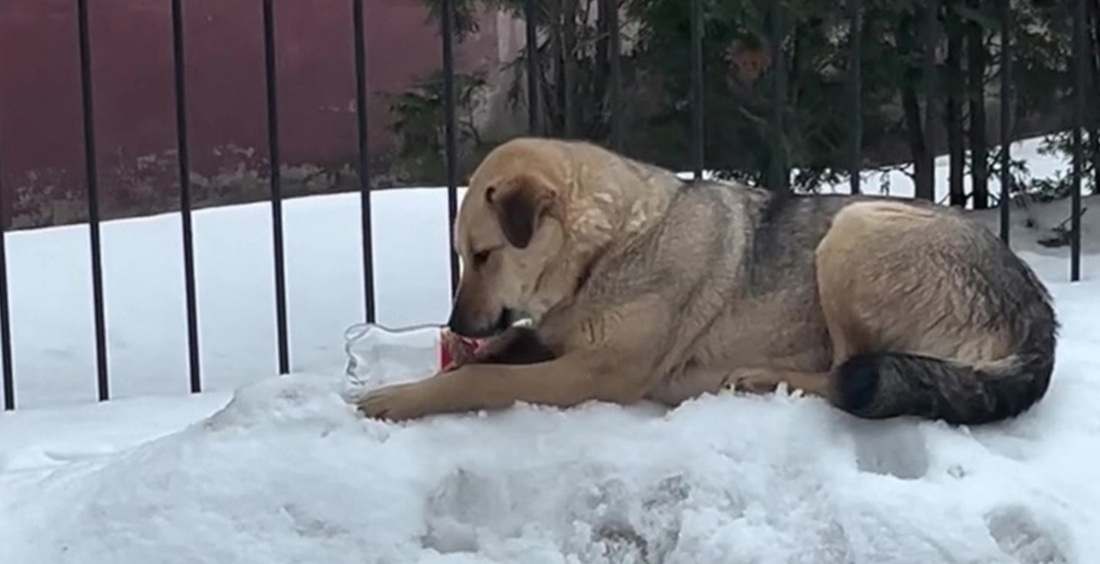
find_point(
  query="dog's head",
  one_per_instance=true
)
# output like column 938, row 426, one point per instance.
column 511, row 236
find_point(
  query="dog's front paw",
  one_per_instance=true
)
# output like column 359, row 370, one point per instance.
column 399, row 402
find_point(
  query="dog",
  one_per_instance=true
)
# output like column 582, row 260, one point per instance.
column 641, row 286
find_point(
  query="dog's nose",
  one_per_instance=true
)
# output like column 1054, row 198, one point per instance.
column 469, row 326
column 452, row 322
column 458, row 323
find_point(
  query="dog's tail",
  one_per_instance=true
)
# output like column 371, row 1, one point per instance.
column 883, row 385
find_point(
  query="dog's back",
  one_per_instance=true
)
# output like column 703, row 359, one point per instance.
column 910, row 308
column 959, row 327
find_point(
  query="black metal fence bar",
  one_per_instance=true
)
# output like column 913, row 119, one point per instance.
column 1092, row 114
column 449, row 133
column 276, row 186
column 92, row 180
column 1080, row 95
column 779, row 173
column 5, row 314
column 698, row 129
column 615, row 68
column 855, row 63
column 366, row 226
column 534, row 109
column 184, row 161
column 1093, row 111
column 1006, row 117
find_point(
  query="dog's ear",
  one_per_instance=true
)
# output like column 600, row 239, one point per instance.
column 519, row 204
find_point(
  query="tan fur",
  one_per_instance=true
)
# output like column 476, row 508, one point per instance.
column 635, row 298
column 579, row 223
column 870, row 313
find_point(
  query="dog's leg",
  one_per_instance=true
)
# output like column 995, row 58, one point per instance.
column 564, row 382
column 766, row 380
column 609, row 357
column 694, row 382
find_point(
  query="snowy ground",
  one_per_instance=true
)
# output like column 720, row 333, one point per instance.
column 272, row 470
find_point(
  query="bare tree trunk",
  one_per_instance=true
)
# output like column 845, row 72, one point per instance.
column 925, row 188
column 555, row 98
column 569, row 62
column 979, row 144
column 922, row 170
column 914, row 126
column 603, row 58
column 953, row 118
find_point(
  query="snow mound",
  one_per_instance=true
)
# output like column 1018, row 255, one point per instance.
column 288, row 472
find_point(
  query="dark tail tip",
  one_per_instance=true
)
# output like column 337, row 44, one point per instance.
column 856, row 383
column 884, row 385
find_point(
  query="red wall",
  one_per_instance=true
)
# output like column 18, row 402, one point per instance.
column 40, row 105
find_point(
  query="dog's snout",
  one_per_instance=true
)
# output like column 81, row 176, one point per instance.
column 476, row 324
column 473, row 327
column 464, row 319
column 458, row 322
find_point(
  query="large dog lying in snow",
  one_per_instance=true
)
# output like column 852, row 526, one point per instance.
column 644, row 286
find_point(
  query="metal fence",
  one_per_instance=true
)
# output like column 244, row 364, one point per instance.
column 855, row 12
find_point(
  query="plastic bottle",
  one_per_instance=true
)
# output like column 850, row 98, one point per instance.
column 380, row 355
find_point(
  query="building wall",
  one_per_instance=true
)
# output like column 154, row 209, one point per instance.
column 41, row 147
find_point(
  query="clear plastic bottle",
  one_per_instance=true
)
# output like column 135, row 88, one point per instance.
column 380, row 355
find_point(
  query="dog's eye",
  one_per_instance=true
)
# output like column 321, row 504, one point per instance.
column 481, row 257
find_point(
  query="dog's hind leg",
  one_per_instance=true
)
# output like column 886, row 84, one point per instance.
column 929, row 316
column 766, row 380
column 695, row 381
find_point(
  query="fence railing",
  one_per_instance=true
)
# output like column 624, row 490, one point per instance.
column 536, row 125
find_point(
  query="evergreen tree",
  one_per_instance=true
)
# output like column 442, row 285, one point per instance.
column 916, row 57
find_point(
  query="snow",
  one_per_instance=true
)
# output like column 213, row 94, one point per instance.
column 279, row 469
column 52, row 321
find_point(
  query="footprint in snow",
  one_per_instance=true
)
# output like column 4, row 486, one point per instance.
column 890, row 448
column 1020, row 536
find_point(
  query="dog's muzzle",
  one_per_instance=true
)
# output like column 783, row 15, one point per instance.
column 461, row 325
